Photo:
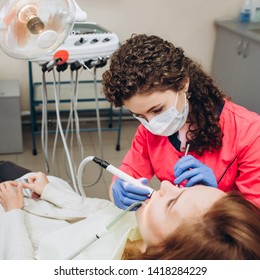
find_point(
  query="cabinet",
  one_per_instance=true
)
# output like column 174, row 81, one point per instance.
column 236, row 62
column 10, row 117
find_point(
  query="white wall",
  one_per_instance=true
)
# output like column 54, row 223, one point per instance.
column 187, row 23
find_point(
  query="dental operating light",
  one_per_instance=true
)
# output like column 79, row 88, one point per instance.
column 32, row 28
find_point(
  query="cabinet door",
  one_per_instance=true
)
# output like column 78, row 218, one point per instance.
column 248, row 84
column 236, row 68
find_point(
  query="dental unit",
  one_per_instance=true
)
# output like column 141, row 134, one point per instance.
column 55, row 39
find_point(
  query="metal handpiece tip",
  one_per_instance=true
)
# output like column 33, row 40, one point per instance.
column 151, row 193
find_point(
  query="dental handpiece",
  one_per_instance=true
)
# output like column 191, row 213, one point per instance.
column 122, row 175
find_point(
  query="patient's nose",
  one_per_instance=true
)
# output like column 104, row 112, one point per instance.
column 168, row 188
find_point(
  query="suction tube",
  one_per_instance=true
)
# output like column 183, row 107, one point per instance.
column 104, row 230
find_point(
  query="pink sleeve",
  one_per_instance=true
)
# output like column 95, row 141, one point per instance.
column 248, row 179
column 137, row 161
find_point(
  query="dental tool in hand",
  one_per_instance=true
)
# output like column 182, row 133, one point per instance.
column 122, row 175
column 187, row 150
column 185, row 154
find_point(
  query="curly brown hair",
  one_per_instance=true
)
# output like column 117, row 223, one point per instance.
column 145, row 64
column 229, row 230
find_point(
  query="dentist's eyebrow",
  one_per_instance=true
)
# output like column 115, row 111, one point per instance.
column 149, row 110
column 154, row 107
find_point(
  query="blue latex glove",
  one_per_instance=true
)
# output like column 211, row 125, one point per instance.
column 191, row 169
column 125, row 194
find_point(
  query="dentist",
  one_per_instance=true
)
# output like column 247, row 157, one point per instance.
column 177, row 104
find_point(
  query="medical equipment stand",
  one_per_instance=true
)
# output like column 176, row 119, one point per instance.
column 34, row 103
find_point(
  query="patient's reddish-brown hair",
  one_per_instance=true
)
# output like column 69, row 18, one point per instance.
column 229, row 230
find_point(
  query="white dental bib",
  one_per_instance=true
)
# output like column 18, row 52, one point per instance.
column 62, row 243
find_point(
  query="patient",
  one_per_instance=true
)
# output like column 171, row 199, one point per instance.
column 176, row 223
column 199, row 223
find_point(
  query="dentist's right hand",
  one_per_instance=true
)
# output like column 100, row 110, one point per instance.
column 125, row 194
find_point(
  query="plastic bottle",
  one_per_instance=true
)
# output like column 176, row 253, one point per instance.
column 245, row 13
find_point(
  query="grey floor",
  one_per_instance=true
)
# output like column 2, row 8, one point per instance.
column 91, row 147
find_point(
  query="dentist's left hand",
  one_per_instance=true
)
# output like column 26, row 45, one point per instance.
column 191, row 169
column 125, row 194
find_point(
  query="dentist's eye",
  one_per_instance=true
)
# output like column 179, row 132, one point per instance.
column 139, row 116
column 157, row 111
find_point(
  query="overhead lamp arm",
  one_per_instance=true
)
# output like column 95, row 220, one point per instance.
column 79, row 14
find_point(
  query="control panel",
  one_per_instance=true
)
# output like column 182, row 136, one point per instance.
column 86, row 41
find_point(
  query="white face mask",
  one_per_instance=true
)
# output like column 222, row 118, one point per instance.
column 168, row 122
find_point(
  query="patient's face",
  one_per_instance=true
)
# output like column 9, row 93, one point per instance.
column 170, row 206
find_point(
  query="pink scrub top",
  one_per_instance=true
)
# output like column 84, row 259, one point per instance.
column 236, row 165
